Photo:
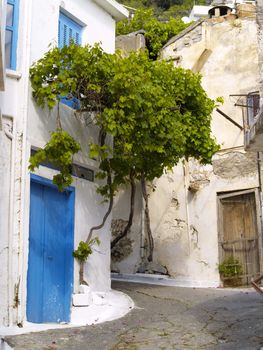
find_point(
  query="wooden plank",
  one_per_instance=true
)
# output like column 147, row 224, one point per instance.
column 239, row 236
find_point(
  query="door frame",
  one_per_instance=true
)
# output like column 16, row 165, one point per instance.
column 71, row 190
column 258, row 219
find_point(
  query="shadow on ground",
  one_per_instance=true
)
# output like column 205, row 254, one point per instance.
column 166, row 318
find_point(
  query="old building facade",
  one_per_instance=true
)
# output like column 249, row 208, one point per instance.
column 203, row 215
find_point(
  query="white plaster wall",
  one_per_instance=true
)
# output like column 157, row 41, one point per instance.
column 232, row 68
column 5, row 170
column 13, row 102
column 226, row 71
column 89, row 209
column 98, row 26
column 38, row 28
column 185, row 231
column 169, row 221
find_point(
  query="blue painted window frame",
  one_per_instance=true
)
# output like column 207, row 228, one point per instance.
column 47, row 182
column 68, row 30
column 14, row 30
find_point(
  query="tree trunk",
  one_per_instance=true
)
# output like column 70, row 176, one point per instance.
column 147, row 220
column 102, row 137
column 95, row 228
column 130, row 220
column 59, row 125
column 81, row 273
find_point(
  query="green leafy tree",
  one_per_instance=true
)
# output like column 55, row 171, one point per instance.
column 157, row 33
column 164, row 9
column 157, row 114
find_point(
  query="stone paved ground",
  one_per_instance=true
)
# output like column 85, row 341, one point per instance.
column 166, row 318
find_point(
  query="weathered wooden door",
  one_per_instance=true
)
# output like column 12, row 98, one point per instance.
column 239, row 236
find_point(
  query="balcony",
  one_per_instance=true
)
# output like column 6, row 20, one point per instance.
column 253, row 123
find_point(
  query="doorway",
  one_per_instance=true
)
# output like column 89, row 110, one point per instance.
column 50, row 261
column 239, row 232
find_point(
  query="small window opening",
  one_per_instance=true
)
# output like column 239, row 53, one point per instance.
column 75, row 170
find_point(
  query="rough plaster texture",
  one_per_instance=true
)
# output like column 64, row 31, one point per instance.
column 226, row 70
column 127, row 43
column 183, row 207
column 235, row 164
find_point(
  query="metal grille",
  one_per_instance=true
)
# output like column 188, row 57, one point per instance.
column 76, row 170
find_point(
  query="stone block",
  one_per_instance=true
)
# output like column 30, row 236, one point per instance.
column 82, row 299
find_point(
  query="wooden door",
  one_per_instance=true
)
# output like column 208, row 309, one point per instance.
column 239, row 233
column 50, row 263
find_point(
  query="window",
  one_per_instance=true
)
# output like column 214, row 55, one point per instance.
column 253, row 100
column 11, row 33
column 76, row 170
column 68, row 31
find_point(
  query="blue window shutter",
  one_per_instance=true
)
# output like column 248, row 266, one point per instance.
column 68, row 30
column 12, row 33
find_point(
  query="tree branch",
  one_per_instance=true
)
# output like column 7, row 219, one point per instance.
column 129, row 223
column 147, row 219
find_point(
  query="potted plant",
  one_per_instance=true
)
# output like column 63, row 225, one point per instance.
column 230, row 272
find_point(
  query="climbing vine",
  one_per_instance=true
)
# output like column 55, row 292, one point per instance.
column 59, row 151
column 157, row 33
column 85, row 249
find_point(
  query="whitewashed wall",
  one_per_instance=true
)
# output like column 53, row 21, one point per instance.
column 98, row 26
column 5, row 170
column 38, row 29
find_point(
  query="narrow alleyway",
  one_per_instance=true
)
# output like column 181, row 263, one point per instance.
column 166, row 318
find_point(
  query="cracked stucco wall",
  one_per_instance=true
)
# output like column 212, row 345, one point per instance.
column 186, row 235
column 193, row 254
column 235, row 164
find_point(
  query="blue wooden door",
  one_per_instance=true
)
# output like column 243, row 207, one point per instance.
column 50, row 262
